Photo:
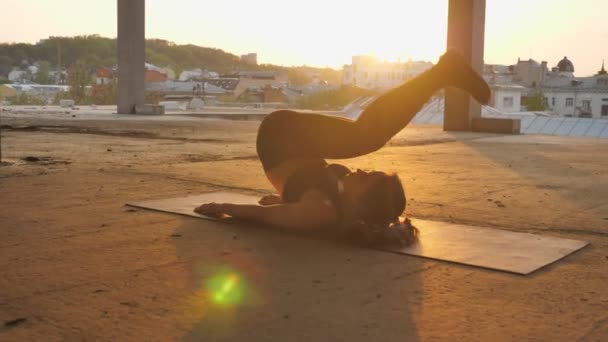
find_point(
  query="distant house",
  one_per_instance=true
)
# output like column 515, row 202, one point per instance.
column 267, row 94
column 197, row 75
column 258, row 79
column 103, row 76
column 250, row 58
column 370, row 73
column 17, row 75
column 168, row 72
column 154, row 76
column 228, row 84
column 561, row 92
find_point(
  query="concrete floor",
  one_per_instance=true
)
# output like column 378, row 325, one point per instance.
column 78, row 265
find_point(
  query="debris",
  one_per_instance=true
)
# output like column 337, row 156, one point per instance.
column 317, row 281
column 286, row 316
column 234, row 237
column 379, row 295
column 131, row 210
column 15, row 322
column 31, row 159
column 130, row 304
column 176, row 235
column 109, row 150
column 99, row 290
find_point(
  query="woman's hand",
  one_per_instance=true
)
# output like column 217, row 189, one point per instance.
column 270, row 200
column 211, row 209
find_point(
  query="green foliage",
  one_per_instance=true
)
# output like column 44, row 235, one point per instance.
column 331, row 76
column 96, row 51
column 333, row 99
column 106, row 94
column 536, row 102
column 302, row 75
column 298, row 77
column 6, row 65
column 24, row 99
column 62, row 95
column 42, row 76
column 78, row 80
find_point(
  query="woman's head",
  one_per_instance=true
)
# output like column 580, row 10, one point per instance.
column 376, row 197
column 376, row 200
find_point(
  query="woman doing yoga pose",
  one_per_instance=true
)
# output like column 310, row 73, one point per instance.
column 293, row 147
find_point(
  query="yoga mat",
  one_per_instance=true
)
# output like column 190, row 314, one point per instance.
column 496, row 249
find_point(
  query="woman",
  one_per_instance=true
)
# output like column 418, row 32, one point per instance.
column 293, row 146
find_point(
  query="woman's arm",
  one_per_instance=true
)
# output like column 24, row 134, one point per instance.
column 312, row 211
column 270, row 200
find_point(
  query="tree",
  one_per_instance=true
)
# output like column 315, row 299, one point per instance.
column 78, row 80
column 536, row 102
column 298, row 77
column 331, row 76
column 6, row 65
column 42, row 76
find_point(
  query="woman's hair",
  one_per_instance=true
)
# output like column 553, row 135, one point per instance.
column 380, row 209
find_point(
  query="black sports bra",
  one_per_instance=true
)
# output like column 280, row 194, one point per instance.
column 321, row 176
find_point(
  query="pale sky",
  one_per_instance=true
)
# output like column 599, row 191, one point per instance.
column 328, row 33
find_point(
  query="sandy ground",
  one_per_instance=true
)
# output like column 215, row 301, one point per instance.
column 78, row 265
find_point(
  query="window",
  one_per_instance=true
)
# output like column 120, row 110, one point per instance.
column 545, row 102
column 507, row 102
column 569, row 102
column 587, row 105
column 604, row 110
column 553, row 101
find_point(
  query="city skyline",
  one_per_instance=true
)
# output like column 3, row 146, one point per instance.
column 329, row 34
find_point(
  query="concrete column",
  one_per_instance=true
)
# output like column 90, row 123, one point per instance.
column 466, row 26
column 131, row 54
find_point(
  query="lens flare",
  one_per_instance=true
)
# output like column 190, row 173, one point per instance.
column 226, row 288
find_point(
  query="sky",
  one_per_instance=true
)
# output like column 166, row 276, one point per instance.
column 328, row 33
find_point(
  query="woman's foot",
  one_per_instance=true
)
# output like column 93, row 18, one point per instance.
column 458, row 73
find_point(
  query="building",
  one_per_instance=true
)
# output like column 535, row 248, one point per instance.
column 266, row 94
column 577, row 96
column 103, row 76
column 258, row 79
column 250, row 58
column 197, row 75
column 369, row 73
column 17, row 75
column 556, row 91
column 153, row 76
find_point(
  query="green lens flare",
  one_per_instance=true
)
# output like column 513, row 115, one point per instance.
column 226, row 288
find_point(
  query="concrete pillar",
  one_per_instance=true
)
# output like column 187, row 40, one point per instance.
column 466, row 26
column 131, row 54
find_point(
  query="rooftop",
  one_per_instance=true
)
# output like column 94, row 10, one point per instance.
column 79, row 265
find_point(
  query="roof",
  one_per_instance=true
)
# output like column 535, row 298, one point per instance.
column 225, row 83
column 182, row 87
column 598, row 82
column 104, row 72
column 565, row 65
